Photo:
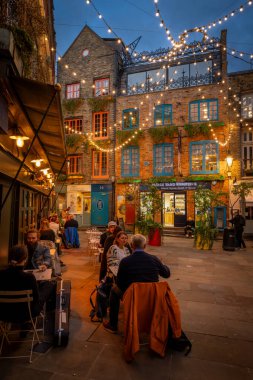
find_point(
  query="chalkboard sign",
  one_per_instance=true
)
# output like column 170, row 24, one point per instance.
column 121, row 223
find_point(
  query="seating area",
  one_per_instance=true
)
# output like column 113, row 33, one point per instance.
column 15, row 329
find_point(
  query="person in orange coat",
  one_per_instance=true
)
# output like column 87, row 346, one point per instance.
column 138, row 267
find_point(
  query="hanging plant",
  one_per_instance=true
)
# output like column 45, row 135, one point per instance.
column 71, row 105
column 158, row 134
column 128, row 180
column 100, row 103
column 122, row 136
column 103, row 144
column 201, row 129
column 74, row 142
column 161, row 179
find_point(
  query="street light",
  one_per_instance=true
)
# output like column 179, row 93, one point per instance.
column 229, row 160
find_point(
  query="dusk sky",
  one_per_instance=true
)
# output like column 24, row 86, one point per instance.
column 133, row 18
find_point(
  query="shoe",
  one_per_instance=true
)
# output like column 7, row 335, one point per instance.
column 109, row 328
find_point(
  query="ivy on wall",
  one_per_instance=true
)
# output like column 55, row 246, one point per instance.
column 158, row 134
column 122, row 136
column 201, row 129
column 71, row 105
column 128, row 180
column 161, row 179
column 100, row 103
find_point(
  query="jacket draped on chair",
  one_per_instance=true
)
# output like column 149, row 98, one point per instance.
column 150, row 308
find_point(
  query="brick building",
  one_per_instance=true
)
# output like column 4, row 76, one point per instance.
column 241, row 115
column 31, row 127
column 89, row 73
column 157, row 118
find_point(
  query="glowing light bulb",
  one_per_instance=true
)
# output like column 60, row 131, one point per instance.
column 20, row 142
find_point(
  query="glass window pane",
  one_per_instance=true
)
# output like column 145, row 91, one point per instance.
column 194, row 115
column 197, row 157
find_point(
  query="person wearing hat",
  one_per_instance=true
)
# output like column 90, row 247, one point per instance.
column 110, row 229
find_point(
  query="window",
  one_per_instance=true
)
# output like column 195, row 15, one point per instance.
column 73, row 126
column 75, row 165
column 163, row 159
column 247, row 153
column 247, row 106
column 163, row 114
column 99, row 164
column 189, row 75
column 203, row 110
column 73, row 91
column 130, row 118
column 204, row 157
column 101, row 87
column 146, row 81
column 130, row 162
column 100, row 125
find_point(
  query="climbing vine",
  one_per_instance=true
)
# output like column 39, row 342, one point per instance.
column 158, row 134
column 122, row 136
column 200, row 129
column 100, row 103
column 71, row 105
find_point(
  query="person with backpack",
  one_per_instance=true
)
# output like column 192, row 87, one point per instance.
column 238, row 222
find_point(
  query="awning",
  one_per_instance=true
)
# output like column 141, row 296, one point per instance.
column 34, row 98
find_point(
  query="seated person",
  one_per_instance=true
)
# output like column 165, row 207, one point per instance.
column 138, row 267
column 71, row 222
column 190, row 227
column 46, row 233
column 118, row 250
column 111, row 227
column 54, row 225
column 14, row 278
column 108, row 243
column 38, row 255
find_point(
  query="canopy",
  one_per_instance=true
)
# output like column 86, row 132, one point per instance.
column 34, row 98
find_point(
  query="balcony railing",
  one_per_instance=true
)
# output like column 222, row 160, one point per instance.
column 181, row 82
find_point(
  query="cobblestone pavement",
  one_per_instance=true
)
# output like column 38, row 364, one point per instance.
column 215, row 292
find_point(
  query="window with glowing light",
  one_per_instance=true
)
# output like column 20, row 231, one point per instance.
column 99, row 164
column 101, row 87
column 73, row 126
column 100, row 125
column 247, row 106
column 130, row 118
column 204, row 157
column 72, row 91
column 163, row 115
column 130, row 161
column 163, row 159
column 75, row 165
column 203, row 110
column 190, row 75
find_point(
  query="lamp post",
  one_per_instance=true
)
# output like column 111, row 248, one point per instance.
column 229, row 160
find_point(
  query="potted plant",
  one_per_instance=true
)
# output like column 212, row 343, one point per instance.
column 205, row 232
column 151, row 204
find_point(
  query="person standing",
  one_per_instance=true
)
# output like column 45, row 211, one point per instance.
column 138, row 267
column 238, row 222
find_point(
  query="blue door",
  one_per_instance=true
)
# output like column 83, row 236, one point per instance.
column 220, row 217
column 99, row 208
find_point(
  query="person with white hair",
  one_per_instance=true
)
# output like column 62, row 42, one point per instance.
column 138, row 267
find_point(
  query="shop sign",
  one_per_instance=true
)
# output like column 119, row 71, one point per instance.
column 178, row 186
column 101, row 188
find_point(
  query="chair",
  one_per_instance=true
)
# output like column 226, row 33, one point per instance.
column 72, row 237
column 149, row 308
column 20, row 300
